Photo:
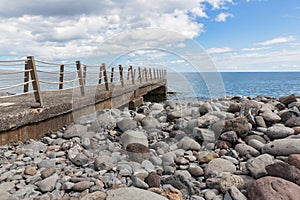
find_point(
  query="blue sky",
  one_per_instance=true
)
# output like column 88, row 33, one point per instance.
column 182, row 35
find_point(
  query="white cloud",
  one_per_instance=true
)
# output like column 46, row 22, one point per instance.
column 219, row 50
column 277, row 40
column 222, row 17
column 218, row 4
column 255, row 49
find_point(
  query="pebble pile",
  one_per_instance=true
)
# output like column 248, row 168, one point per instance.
column 231, row 148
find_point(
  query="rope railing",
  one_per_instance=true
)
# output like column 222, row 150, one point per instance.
column 39, row 75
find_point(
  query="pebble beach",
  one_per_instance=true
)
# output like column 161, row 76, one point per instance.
column 232, row 148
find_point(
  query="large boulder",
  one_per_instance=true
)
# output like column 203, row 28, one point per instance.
column 267, row 188
column 285, row 171
column 282, row 147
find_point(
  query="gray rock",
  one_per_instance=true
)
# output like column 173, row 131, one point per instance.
column 210, row 194
column 205, row 135
column 4, row 195
column 168, row 170
column 80, row 159
column 257, row 165
column 229, row 136
column 132, row 193
column 35, row 147
column 250, row 110
column 139, row 183
column 74, row 130
column 46, row 164
column 130, row 136
column 219, row 165
column 26, row 193
column 169, row 158
column 150, row 122
column 7, row 186
column 279, row 131
column 103, row 163
column 288, row 99
column 236, row 194
column 126, row 124
column 95, row 196
column 282, row 147
column 206, row 120
column 270, row 117
column 244, row 149
column 292, row 122
column 195, row 170
column 180, row 113
column 104, row 121
column 256, row 144
column 188, row 143
column 205, row 108
column 240, row 125
column 260, row 121
column 82, row 185
column 68, row 186
column 147, row 165
column 48, row 184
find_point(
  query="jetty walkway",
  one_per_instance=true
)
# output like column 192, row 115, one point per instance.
column 55, row 94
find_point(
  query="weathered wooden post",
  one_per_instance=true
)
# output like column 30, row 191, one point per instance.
column 34, row 76
column 100, row 75
column 112, row 75
column 157, row 73
column 140, row 75
column 26, row 78
column 121, row 75
column 128, row 74
column 150, row 73
column 105, row 77
column 132, row 75
column 84, row 74
column 80, row 78
column 146, row 74
column 154, row 73
column 61, row 77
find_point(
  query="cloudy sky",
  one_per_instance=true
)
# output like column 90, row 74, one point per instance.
column 235, row 35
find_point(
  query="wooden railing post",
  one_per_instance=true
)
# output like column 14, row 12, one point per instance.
column 132, row 75
column 100, row 75
column 26, row 78
column 34, row 76
column 80, row 78
column 146, row 74
column 121, row 75
column 105, row 77
column 150, row 73
column 61, row 77
column 154, row 74
column 84, row 74
column 128, row 74
column 157, row 73
column 112, row 75
column 140, row 75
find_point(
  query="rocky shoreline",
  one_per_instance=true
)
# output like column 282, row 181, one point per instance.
column 231, row 148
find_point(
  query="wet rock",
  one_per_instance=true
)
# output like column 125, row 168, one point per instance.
column 285, row 171
column 83, row 185
column 188, row 143
column 48, row 184
column 130, row 136
column 273, row 188
column 218, row 166
column 126, row 124
column 153, row 179
column 279, row 131
column 257, row 165
column 282, row 147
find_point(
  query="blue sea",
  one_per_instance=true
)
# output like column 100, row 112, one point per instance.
column 192, row 86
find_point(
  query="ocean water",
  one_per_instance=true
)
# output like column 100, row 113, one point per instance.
column 195, row 86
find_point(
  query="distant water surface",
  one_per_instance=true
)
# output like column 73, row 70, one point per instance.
column 191, row 86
